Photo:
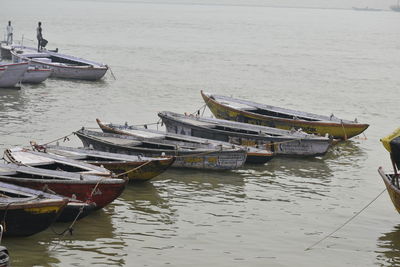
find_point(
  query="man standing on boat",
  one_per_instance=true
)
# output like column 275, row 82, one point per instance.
column 39, row 36
column 9, row 33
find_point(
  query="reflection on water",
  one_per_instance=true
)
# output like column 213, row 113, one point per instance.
column 346, row 154
column 148, row 203
column 91, row 235
column 297, row 177
column 213, row 186
column 11, row 103
column 389, row 244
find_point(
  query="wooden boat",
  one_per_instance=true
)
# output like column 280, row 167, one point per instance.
column 138, row 168
column 254, row 155
column 391, row 180
column 62, row 66
column 36, row 75
column 12, row 74
column 25, row 211
column 98, row 189
column 26, row 157
column 188, row 155
column 229, row 108
column 281, row 142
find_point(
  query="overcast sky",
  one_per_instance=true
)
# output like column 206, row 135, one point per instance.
column 381, row 4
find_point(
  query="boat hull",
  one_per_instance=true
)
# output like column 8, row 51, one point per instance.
column 76, row 211
column 13, row 74
column 84, row 70
column 25, row 220
column 212, row 160
column 392, row 190
column 336, row 130
column 280, row 146
column 144, row 171
column 106, row 190
column 78, row 73
column 36, row 75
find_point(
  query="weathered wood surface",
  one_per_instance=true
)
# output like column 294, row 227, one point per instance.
column 282, row 142
column 187, row 155
column 254, row 113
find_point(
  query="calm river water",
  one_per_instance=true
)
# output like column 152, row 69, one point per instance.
column 343, row 62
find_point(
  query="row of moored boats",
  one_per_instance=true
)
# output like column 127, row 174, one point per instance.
column 44, row 183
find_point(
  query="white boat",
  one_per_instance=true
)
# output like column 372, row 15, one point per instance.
column 36, row 75
column 2, row 70
column 62, row 66
column 12, row 74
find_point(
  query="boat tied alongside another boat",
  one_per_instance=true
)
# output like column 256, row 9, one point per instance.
column 37, row 159
column 281, row 142
column 187, row 155
column 36, row 75
column 254, row 155
column 12, row 73
column 25, row 211
column 61, row 65
column 234, row 109
column 137, row 168
column 101, row 190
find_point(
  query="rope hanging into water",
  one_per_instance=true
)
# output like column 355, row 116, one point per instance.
column 70, row 229
column 349, row 220
column 112, row 73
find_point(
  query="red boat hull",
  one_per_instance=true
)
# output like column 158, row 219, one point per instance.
column 106, row 190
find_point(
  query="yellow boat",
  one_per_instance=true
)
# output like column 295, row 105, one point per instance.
column 136, row 168
column 391, row 180
column 229, row 108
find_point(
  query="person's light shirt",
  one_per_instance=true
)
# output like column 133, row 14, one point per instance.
column 9, row 29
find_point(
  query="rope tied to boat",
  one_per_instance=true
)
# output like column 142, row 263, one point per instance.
column 112, row 73
column 42, row 147
column 346, row 222
column 70, row 228
column 134, row 169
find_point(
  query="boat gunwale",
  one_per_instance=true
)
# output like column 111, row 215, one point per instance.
column 152, row 150
column 208, row 98
column 89, row 63
column 141, row 159
column 306, row 137
column 56, row 159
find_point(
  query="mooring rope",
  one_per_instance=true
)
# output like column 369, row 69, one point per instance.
column 349, row 220
column 67, row 230
column 70, row 229
column 134, row 169
column 112, row 73
column 65, row 138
